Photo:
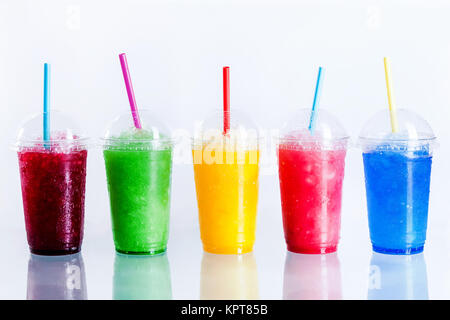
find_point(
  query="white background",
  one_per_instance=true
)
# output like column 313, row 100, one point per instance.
column 175, row 51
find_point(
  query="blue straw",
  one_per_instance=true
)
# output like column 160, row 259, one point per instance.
column 46, row 135
column 312, row 120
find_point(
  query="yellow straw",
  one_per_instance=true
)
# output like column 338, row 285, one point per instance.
column 390, row 93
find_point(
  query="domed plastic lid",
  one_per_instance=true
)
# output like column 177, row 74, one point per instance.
column 328, row 132
column 243, row 130
column 122, row 134
column 413, row 131
column 65, row 134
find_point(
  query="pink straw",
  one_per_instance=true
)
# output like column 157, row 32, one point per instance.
column 130, row 92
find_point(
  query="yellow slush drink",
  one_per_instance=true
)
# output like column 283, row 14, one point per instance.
column 226, row 179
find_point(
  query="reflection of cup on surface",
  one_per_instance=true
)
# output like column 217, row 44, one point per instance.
column 228, row 277
column 53, row 179
column 312, row 277
column 142, row 277
column 397, row 169
column 226, row 170
column 398, row 277
column 138, row 166
column 56, row 278
column 311, row 171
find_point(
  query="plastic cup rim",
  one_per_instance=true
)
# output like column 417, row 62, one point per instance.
column 116, row 140
column 198, row 141
column 378, row 140
column 52, row 141
column 30, row 143
column 311, row 139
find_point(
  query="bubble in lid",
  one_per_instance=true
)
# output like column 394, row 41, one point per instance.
column 327, row 127
column 122, row 128
column 242, row 128
column 64, row 130
column 242, row 135
column 411, row 127
column 239, row 122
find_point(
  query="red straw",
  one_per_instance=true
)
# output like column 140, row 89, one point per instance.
column 130, row 92
column 226, row 99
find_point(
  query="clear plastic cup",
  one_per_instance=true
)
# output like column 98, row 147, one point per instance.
column 226, row 170
column 53, row 179
column 311, row 172
column 397, row 168
column 56, row 278
column 138, row 166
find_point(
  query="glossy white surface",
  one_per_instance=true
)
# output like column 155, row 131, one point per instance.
column 175, row 51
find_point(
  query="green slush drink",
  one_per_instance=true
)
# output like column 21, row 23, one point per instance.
column 138, row 172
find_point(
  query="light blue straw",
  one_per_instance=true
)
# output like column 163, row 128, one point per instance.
column 312, row 120
column 46, row 135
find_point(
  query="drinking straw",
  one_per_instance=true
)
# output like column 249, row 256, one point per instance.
column 226, row 99
column 390, row 94
column 46, row 114
column 130, row 92
column 317, row 93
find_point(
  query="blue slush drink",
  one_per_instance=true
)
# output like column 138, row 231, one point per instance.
column 397, row 168
column 397, row 189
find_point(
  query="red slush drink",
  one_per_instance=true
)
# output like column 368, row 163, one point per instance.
column 53, row 186
column 311, row 187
